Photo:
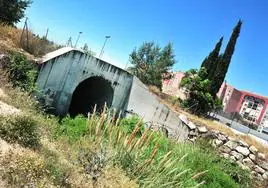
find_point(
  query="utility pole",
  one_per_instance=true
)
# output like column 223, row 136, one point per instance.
column 69, row 42
column 102, row 50
column 77, row 38
column 25, row 29
column 46, row 33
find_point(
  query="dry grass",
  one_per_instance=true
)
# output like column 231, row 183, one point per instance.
column 10, row 40
column 213, row 125
column 10, row 35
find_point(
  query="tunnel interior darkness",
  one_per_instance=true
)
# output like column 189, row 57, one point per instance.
column 94, row 90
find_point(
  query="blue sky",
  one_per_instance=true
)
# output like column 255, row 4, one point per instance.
column 192, row 26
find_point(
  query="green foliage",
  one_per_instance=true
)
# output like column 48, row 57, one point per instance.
column 210, row 62
column 151, row 64
column 204, row 84
column 218, row 104
column 21, row 73
column 19, row 129
column 200, row 101
column 217, row 64
column 220, row 172
column 128, row 124
column 154, row 161
column 11, row 11
column 72, row 128
column 224, row 59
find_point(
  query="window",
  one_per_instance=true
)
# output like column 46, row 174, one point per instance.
column 255, row 105
column 246, row 115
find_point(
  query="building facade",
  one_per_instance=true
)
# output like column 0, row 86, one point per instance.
column 251, row 107
column 171, row 86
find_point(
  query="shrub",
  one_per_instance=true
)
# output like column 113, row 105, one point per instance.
column 19, row 129
column 21, row 73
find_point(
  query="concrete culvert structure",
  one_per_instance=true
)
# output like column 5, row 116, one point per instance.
column 94, row 90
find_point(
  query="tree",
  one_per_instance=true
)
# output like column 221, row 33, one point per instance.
column 210, row 62
column 11, row 11
column 225, row 59
column 87, row 50
column 151, row 64
column 199, row 100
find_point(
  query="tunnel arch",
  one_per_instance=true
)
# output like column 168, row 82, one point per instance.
column 94, row 90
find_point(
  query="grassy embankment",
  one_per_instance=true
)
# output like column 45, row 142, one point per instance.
column 97, row 151
column 100, row 151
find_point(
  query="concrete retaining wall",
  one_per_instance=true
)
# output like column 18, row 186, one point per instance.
column 147, row 105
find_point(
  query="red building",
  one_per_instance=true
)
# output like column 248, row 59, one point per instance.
column 171, row 86
column 250, row 106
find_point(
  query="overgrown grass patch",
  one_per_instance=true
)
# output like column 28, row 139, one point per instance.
column 150, row 157
column 20, row 129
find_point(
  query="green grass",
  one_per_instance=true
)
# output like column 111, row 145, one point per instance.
column 146, row 163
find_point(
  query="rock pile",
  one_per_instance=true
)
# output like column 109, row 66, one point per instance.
column 246, row 156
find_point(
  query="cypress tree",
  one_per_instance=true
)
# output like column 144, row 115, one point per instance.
column 224, row 60
column 210, row 62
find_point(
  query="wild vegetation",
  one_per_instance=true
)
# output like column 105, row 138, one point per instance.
column 151, row 64
column 20, row 71
column 100, row 150
column 103, row 151
column 203, row 84
column 11, row 11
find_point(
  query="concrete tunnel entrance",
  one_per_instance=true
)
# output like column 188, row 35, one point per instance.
column 94, row 90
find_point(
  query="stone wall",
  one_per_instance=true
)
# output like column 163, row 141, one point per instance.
column 245, row 155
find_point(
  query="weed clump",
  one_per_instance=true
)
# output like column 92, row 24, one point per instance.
column 19, row 129
column 21, row 170
column 21, row 72
column 146, row 156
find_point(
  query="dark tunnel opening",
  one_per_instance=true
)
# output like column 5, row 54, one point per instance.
column 94, row 90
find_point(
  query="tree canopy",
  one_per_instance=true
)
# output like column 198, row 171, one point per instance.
column 151, row 64
column 11, row 11
column 204, row 84
column 199, row 99
column 210, row 62
column 224, row 60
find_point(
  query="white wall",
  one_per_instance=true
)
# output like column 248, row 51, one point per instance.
column 62, row 74
column 147, row 105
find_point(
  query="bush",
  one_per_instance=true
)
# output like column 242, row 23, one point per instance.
column 19, row 129
column 21, row 73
